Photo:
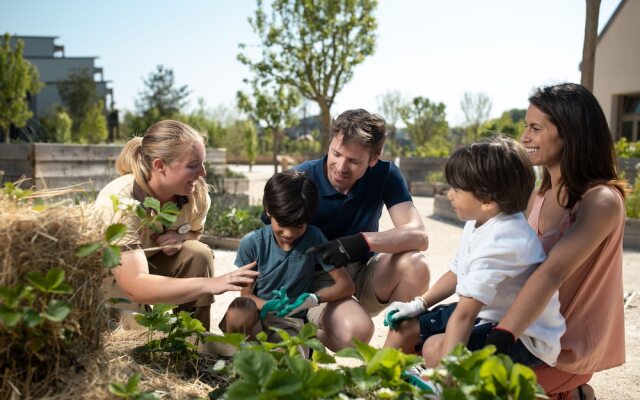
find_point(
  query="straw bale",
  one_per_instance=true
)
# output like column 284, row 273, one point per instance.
column 33, row 240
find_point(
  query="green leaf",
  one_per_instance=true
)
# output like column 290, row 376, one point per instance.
column 118, row 389
column 300, row 367
column 111, row 256
column 118, row 300
column 31, row 317
column 38, row 280
column 308, row 331
column 63, row 288
column 243, row 390
column 477, row 357
column 57, row 310
column 282, row 383
column 367, row 352
column 9, row 317
column 323, row 358
column 115, row 202
column 254, row 366
column 152, row 203
column 234, row 339
column 55, row 277
column 363, row 381
column 324, row 383
column 87, row 249
column 350, row 352
column 132, row 383
column 114, row 233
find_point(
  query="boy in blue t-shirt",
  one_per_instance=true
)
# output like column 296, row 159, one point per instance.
column 290, row 200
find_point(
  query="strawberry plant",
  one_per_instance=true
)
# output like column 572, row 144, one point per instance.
column 33, row 313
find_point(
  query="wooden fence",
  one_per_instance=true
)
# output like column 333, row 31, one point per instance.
column 50, row 165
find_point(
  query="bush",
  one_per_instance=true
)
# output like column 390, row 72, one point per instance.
column 626, row 149
column 234, row 222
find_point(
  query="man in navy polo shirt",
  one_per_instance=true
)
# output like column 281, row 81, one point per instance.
column 354, row 184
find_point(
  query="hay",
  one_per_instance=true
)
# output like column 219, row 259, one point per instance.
column 38, row 241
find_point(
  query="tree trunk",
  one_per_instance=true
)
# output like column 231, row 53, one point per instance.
column 590, row 43
column 325, row 118
column 276, row 149
column 7, row 133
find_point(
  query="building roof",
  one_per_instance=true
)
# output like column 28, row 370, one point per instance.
column 610, row 21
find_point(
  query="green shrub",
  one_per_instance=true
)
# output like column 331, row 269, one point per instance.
column 626, row 149
column 234, row 222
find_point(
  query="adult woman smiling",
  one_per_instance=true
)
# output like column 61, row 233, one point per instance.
column 167, row 163
column 579, row 214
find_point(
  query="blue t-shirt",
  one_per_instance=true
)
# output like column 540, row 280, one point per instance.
column 292, row 269
column 360, row 210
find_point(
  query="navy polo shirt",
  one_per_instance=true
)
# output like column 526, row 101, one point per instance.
column 360, row 210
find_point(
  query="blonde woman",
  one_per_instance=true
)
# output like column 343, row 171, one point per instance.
column 167, row 163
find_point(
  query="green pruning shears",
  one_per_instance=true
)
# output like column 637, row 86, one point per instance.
column 276, row 304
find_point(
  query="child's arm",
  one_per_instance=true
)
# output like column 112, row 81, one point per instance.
column 342, row 288
column 460, row 324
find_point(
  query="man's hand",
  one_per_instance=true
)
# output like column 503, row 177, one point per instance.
column 399, row 310
column 342, row 251
column 303, row 302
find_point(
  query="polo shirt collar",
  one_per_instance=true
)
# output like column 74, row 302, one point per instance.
column 139, row 194
column 324, row 186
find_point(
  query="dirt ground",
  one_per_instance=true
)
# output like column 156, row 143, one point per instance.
column 617, row 383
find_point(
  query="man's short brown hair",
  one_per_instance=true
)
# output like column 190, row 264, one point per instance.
column 362, row 127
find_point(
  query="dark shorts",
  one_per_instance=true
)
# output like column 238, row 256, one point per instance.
column 435, row 321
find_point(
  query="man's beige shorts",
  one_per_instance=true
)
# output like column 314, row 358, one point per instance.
column 362, row 275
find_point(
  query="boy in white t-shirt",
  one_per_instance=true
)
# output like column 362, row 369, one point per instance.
column 491, row 182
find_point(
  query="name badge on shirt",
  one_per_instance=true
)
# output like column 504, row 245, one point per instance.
column 184, row 229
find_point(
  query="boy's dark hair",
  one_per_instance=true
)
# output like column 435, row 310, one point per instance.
column 291, row 198
column 496, row 169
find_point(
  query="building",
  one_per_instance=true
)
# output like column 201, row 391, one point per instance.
column 54, row 67
column 617, row 71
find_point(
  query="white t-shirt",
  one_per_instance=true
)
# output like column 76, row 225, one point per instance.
column 492, row 265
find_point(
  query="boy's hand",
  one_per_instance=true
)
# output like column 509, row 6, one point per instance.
column 275, row 305
column 344, row 250
column 399, row 311
column 304, row 302
column 502, row 339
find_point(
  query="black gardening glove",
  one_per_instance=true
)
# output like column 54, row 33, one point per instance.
column 343, row 250
column 502, row 339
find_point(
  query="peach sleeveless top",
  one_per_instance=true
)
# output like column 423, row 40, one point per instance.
column 591, row 299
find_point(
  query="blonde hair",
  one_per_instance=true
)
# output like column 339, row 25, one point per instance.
column 164, row 140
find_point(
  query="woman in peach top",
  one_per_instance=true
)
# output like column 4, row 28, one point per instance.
column 579, row 214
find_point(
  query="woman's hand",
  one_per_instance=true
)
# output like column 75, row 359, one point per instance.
column 170, row 238
column 235, row 280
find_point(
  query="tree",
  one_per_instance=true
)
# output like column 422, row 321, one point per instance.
column 160, row 98
column 272, row 107
column 390, row 105
column 59, row 124
column 427, row 126
column 18, row 79
column 313, row 46
column 476, row 108
column 93, row 128
column 250, row 142
column 79, row 96
column 510, row 123
column 590, row 43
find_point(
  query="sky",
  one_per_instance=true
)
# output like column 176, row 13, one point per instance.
column 437, row 49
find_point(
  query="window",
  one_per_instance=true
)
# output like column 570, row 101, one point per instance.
column 630, row 118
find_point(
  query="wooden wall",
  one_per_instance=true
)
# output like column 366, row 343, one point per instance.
column 51, row 165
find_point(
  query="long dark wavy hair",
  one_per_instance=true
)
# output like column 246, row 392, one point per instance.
column 588, row 156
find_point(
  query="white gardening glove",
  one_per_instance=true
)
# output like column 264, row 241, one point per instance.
column 304, row 302
column 399, row 310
